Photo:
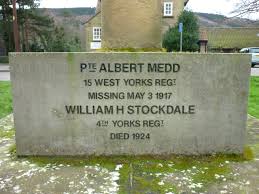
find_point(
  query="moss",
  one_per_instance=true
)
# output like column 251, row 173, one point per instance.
column 132, row 50
column 72, row 161
column 7, row 133
column 248, row 153
column 146, row 179
column 70, row 58
column 135, row 178
column 254, row 152
column 207, row 170
column 143, row 174
column 125, row 179
column 150, row 184
column 146, row 168
column 12, row 150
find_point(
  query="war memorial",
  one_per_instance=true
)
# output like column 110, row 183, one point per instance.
column 133, row 103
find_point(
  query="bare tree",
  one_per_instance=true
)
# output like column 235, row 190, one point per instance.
column 246, row 7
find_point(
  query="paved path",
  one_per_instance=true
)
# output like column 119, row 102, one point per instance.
column 4, row 67
column 255, row 71
column 4, row 72
column 4, row 76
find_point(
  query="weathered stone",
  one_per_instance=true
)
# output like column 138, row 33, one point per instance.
column 139, row 33
column 131, row 24
column 205, row 113
column 178, row 6
column 95, row 21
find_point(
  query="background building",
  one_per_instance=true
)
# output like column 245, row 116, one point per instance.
column 229, row 40
column 170, row 10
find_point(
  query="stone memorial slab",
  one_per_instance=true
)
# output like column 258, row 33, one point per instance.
column 129, row 103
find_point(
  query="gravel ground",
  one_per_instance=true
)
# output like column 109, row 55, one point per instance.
column 22, row 175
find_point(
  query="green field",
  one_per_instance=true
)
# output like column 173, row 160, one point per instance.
column 6, row 99
column 253, row 107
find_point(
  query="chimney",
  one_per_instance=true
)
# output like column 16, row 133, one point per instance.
column 98, row 6
column 203, row 42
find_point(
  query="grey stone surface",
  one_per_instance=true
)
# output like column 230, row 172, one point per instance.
column 44, row 83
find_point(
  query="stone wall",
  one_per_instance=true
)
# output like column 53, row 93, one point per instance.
column 98, row 6
column 167, row 22
column 131, row 24
column 118, row 24
column 95, row 21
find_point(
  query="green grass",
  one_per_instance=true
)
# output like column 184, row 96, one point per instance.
column 253, row 107
column 5, row 99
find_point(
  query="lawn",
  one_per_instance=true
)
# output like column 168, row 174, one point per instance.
column 5, row 99
column 253, row 107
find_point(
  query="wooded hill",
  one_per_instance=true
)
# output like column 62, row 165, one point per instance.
column 81, row 15
column 215, row 20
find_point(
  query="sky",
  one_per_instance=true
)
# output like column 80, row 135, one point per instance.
column 67, row 3
column 223, row 7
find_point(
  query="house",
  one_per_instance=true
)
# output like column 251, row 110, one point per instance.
column 231, row 39
column 123, row 26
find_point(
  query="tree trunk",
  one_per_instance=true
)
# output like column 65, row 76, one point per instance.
column 16, row 28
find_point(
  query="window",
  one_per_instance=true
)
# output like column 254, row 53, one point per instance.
column 254, row 50
column 97, row 32
column 168, row 8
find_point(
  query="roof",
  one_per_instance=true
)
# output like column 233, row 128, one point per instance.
column 92, row 18
column 232, row 37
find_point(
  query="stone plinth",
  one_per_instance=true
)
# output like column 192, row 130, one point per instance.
column 129, row 103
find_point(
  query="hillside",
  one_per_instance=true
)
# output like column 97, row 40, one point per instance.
column 76, row 15
column 73, row 20
column 214, row 20
column 81, row 15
